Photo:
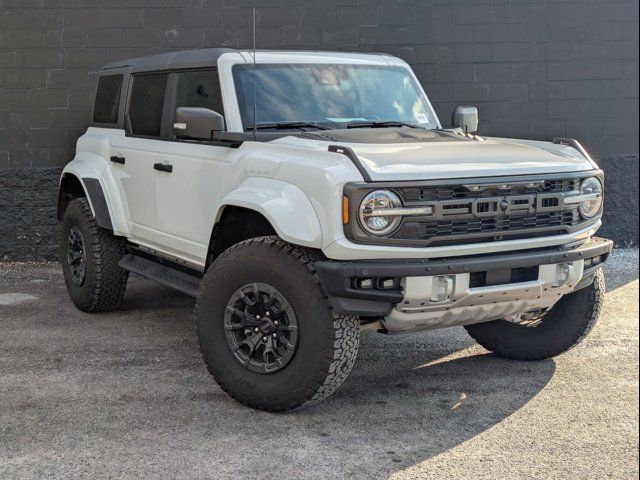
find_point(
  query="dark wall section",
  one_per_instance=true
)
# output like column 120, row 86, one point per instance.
column 620, row 220
column 535, row 69
column 28, row 223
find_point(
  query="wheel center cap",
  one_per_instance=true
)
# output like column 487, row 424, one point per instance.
column 266, row 326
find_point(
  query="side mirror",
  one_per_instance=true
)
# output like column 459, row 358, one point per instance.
column 465, row 118
column 197, row 123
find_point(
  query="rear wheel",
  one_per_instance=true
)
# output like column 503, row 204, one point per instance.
column 564, row 326
column 265, row 328
column 89, row 257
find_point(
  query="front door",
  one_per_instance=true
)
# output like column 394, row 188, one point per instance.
column 188, row 196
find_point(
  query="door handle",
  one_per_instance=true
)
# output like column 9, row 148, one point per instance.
column 117, row 159
column 163, row 167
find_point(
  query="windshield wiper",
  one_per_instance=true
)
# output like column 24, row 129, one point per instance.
column 285, row 126
column 379, row 124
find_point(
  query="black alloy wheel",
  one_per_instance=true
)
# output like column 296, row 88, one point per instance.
column 76, row 256
column 261, row 328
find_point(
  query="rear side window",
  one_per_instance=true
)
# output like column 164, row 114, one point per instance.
column 107, row 99
column 199, row 89
column 147, row 100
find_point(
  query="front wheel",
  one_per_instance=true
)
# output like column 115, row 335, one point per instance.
column 266, row 331
column 563, row 327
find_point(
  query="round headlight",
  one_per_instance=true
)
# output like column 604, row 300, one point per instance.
column 371, row 212
column 592, row 187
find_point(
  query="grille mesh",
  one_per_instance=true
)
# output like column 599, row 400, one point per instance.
column 503, row 226
column 452, row 192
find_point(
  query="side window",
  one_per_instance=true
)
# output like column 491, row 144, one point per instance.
column 147, row 100
column 107, row 101
column 199, row 89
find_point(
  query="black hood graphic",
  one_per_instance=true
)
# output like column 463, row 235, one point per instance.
column 384, row 135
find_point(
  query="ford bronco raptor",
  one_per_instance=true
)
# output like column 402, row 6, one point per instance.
column 302, row 197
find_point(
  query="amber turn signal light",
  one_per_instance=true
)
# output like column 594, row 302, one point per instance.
column 345, row 210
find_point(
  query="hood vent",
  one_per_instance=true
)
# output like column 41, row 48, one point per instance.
column 383, row 135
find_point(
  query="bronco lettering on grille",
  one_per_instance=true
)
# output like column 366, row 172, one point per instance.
column 500, row 206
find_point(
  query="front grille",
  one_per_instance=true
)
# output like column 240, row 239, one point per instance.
column 425, row 230
column 466, row 228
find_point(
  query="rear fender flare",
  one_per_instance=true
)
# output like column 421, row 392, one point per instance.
column 100, row 189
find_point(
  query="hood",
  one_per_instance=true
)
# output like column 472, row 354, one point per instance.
column 400, row 154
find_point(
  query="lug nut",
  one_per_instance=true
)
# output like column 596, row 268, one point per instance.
column 256, row 330
column 257, row 317
column 276, row 322
column 268, row 314
column 275, row 335
column 264, row 339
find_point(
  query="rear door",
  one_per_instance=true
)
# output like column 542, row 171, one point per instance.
column 134, row 155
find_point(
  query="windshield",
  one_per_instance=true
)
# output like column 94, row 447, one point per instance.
column 330, row 96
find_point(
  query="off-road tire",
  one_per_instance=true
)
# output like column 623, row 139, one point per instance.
column 563, row 327
column 327, row 343
column 105, row 282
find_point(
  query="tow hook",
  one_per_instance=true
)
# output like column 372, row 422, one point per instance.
column 564, row 272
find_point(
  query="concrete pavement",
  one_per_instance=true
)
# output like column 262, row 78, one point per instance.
column 126, row 395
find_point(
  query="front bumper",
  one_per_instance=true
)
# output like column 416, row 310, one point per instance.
column 483, row 287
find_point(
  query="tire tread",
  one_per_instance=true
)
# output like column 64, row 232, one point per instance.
column 105, row 251
column 339, row 357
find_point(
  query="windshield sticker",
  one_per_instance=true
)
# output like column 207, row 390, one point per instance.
column 421, row 118
column 346, row 119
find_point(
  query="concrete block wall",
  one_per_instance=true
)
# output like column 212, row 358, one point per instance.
column 28, row 223
column 535, row 69
column 620, row 219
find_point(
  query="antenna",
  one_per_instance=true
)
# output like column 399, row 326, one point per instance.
column 255, row 93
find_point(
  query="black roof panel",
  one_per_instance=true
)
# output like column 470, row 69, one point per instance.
column 203, row 57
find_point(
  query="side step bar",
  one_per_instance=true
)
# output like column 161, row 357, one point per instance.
column 171, row 277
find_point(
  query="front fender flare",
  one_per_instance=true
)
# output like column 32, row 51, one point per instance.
column 284, row 205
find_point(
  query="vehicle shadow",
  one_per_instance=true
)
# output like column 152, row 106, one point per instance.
column 408, row 405
column 143, row 294
column 408, row 398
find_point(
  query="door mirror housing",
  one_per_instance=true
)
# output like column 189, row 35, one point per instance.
column 465, row 118
column 196, row 123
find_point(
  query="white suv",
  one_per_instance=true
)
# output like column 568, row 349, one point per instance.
column 305, row 196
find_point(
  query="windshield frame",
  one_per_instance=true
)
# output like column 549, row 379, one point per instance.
column 434, row 122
